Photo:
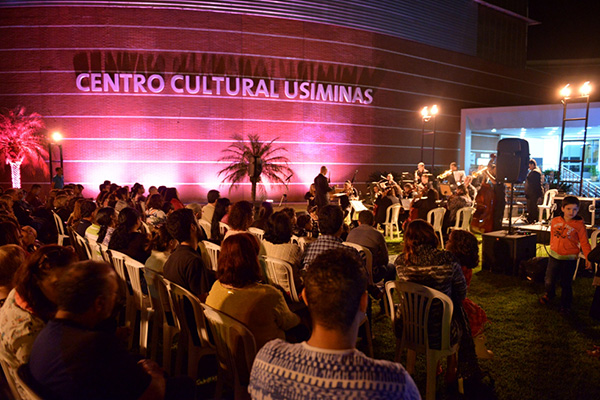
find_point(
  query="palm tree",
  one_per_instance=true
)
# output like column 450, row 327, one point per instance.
column 22, row 137
column 254, row 159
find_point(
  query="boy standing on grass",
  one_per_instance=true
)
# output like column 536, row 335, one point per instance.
column 567, row 236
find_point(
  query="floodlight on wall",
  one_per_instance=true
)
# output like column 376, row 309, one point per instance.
column 585, row 89
column 55, row 140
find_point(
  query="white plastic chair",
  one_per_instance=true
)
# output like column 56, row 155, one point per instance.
column 368, row 258
column 105, row 253
column 141, row 301
column 304, row 241
column 547, row 205
column 164, row 318
column 60, row 228
column 213, row 253
column 236, row 349
column 83, row 245
column 415, row 303
column 280, row 273
column 95, row 249
column 191, row 321
column 259, row 233
column 391, row 220
column 206, row 227
column 118, row 262
column 464, row 216
column 436, row 218
column 223, row 228
column 10, row 373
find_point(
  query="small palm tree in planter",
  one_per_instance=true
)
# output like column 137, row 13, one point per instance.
column 254, row 159
column 22, row 137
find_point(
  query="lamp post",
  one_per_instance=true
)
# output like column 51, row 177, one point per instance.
column 584, row 96
column 55, row 140
column 428, row 114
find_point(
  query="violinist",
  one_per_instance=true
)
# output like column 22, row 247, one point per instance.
column 389, row 182
column 426, row 184
column 349, row 192
column 383, row 203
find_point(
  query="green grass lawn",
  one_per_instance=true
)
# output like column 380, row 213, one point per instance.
column 540, row 353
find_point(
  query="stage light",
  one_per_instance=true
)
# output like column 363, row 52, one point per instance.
column 434, row 109
column 585, row 89
column 57, row 137
column 566, row 91
column 425, row 112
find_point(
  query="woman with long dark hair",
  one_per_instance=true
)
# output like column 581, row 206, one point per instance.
column 155, row 216
column 424, row 263
column 172, row 196
column 32, row 302
column 239, row 293
column 221, row 209
column 126, row 237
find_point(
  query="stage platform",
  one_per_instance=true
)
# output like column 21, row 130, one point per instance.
column 542, row 230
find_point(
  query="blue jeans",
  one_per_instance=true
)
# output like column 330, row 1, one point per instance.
column 560, row 270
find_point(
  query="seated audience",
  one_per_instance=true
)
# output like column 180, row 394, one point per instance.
column 277, row 243
column 93, row 363
column 457, row 201
column 10, row 233
column 208, row 210
column 127, row 238
column 29, row 240
column 239, row 293
column 240, row 218
column 11, row 258
column 60, row 207
column 264, row 213
column 32, row 302
column 331, row 221
column 328, row 365
column 221, row 209
column 75, row 212
column 33, row 197
column 464, row 246
column 162, row 245
column 122, row 196
column 197, row 209
column 103, row 226
column 304, row 225
column 185, row 266
column 172, row 197
column 87, row 215
column 423, row 263
column 367, row 236
column 155, row 216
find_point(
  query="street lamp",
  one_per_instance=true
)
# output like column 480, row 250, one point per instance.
column 55, row 140
column 427, row 114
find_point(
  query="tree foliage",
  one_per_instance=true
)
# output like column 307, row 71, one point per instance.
column 22, row 137
column 243, row 153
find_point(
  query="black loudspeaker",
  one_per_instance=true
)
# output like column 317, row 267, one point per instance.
column 512, row 163
column 503, row 253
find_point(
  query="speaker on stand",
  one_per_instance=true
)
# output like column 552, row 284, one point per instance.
column 512, row 165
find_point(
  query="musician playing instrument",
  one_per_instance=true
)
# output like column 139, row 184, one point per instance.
column 391, row 183
column 499, row 193
column 419, row 172
column 426, row 184
column 453, row 176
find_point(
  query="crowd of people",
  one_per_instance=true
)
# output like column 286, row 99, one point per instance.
column 55, row 308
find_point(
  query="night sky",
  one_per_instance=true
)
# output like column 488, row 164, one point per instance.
column 569, row 29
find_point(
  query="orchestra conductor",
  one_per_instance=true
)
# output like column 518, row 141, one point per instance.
column 322, row 188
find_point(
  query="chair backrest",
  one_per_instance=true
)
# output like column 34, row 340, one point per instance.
column 392, row 213
column 159, row 297
column 415, row 303
column 118, row 262
column 436, row 218
column 95, row 249
column 135, row 269
column 259, row 233
column 223, row 228
column 295, row 240
column 304, row 241
column 105, row 253
column 205, row 226
column 191, row 319
column 234, row 343
column 594, row 238
column 83, row 246
column 368, row 258
column 60, row 226
column 549, row 197
column 213, row 253
column 280, row 273
column 464, row 216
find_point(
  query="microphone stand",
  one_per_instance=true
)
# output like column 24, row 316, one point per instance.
column 284, row 196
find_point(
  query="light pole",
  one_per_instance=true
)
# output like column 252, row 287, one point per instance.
column 55, row 140
column 427, row 115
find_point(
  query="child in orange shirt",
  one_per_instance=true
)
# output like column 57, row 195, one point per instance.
column 568, row 236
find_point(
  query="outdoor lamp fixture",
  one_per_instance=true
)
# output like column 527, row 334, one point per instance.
column 427, row 114
column 55, row 140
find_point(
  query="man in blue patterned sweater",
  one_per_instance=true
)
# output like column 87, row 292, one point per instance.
column 328, row 365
